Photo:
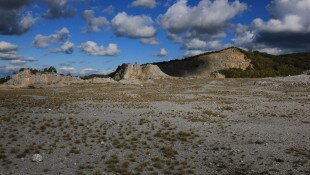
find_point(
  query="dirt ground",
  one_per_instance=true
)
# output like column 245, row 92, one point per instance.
column 172, row 126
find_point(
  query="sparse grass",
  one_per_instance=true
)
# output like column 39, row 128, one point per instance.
column 136, row 136
column 74, row 150
column 169, row 152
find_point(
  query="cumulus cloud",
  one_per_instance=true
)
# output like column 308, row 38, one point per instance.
column 194, row 52
column 8, row 69
column 13, row 21
column 67, row 48
column 140, row 26
column 150, row 4
column 89, row 71
column 162, row 53
column 58, row 9
column 174, row 37
column 149, row 41
column 214, row 45
column 8, row 52
column 6, row 47
column 82, row 72
column 41, row 41
column 243, row 35
column 92, row 48
column 288, row 29
column 207, row 18
column 18, row 62
column 195, row 44
column 22, row 61
column 94, row 23
column 66, row 68
column 61, row 38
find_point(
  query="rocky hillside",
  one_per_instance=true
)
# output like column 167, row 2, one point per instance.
column 237, row 63
column 206, row 64
column 26, row 79
column 266, row 65
column 137, row 72
column 229, row 63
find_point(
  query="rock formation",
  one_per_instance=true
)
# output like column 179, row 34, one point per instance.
column 138, row 72
column 26, row 78
column 205, row 64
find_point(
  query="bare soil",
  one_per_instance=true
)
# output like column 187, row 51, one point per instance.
column 169, row 126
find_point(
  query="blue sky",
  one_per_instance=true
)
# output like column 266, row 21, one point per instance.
column 212, row 25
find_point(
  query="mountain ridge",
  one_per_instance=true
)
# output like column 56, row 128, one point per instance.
column 262, row 64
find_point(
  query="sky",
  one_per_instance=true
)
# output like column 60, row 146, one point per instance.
column 84, row 37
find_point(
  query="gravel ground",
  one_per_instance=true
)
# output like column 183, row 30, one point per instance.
column 170, row 126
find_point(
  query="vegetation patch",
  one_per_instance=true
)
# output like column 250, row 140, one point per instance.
column 266, row 65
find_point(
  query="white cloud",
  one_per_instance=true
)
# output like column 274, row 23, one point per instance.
column 243, row 35
column 212, row 45
column 67, row 47
column 61, row 38
column 163, row 52
column 193, row 52
column 66, row 68
column 195, row 44
column 208, row 17
column 290, row 23
column 9, row 56
column 6, row 47
column 288, row 29
column 26, row 22
column 149, row 41
column 92, row 48
column 83, row 71
column 8, row 51
column 8, row 69
column 94, row 23
column 18, row 62
column 174, row 37
column 144, row 3
column 274, row 51
column 89, row 71
column 140, row 26
column 177, row 17
column 41, row 41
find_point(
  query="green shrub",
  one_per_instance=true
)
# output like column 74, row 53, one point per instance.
column 45, row 70
column 4, row 79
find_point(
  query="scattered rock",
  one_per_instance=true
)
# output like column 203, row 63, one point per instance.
column 37, row 158
column 100, row 80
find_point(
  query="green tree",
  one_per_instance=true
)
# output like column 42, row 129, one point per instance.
column 52, row 70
